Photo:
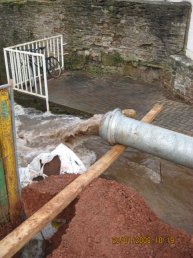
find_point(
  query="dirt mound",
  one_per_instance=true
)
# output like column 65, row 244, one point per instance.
column 5, row 229
column 108, row 220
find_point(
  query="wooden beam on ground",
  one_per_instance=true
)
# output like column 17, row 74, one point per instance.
column 14, row 241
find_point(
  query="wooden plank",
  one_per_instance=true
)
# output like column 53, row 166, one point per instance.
column 7, row 151
column 29, row 228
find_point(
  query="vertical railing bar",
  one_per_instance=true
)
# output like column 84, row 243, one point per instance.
column 51, row 49
column 48, row 50
column 33, row 47
column 6, row 64
column 58, row 49
column 54, row 43
column 15, row 66
column 36, row 46
column 45, row 83
column 29, row 72
column 12, row 67
column 39, row 74
column 25, row 70
column 14, row 71
column 62, row 51
column 19, row 70
column 22, row 64
column 34, row 72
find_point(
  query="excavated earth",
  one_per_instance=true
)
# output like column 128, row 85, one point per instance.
column 107, row 219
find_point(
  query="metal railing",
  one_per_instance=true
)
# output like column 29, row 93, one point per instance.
column 26, row 65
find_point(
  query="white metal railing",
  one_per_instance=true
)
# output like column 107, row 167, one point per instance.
column 26, row 65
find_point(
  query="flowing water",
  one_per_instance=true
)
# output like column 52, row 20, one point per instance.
column 166, row 187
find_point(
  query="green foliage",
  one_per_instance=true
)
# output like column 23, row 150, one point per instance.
column 112, row 59
column 117, row 59
column 95, row 70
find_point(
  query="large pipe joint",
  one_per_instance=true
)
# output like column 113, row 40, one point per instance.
column 170, row 145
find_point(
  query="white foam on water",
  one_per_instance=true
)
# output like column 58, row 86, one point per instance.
column 19, row 110
column 39, row 132
column 145, row 171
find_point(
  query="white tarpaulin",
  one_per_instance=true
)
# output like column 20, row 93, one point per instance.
column 70, row 163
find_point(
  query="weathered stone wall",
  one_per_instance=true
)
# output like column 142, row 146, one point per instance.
column 131, row 37
column 178, row 76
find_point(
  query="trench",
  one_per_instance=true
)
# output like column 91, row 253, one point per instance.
column 166, row 187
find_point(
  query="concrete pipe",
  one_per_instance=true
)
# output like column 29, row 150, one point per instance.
column 166, row 144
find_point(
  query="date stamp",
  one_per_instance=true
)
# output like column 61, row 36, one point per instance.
column 143, row 240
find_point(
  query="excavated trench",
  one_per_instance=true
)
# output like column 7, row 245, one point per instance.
column 141, row 207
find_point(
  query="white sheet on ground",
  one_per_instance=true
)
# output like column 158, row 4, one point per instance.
column 70, row 163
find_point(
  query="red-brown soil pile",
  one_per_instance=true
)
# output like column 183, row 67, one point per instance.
column 108, row 220
column 5, row 229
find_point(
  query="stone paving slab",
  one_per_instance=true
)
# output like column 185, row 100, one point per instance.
column 93, row 95
column 176, row 116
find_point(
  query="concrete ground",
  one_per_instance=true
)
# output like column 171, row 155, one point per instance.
column 86, row 93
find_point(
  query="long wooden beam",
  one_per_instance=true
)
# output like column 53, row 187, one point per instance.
column 14, row 241
column 8, row 156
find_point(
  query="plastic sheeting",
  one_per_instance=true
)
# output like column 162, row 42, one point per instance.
column 70, row 163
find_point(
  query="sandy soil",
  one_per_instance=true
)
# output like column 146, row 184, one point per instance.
column 107, row 220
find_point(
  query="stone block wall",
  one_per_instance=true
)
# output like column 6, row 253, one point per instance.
column 134, row 38
column 178, row 76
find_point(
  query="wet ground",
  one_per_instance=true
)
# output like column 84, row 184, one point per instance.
column 89, row 94
column 167, row 188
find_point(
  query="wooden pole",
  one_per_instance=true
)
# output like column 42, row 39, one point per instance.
column 8, row 155
column 29, row 228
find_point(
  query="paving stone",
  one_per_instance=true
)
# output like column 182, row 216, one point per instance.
column 90, row 95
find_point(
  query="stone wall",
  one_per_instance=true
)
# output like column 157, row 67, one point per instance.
column 131, row 37
column 178, row 76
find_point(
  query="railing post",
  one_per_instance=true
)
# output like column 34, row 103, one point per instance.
column 6, row 64
column 62, row 51
column 45, row 83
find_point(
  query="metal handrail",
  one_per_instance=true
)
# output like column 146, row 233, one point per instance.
column 28, row 70
column 35, row 41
